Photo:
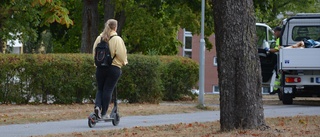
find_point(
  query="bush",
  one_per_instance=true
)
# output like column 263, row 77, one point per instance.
column 140, row 81
column 179, row 76
column 69, row 78
column 62, row 78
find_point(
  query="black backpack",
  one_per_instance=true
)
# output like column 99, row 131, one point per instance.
column 103, row 58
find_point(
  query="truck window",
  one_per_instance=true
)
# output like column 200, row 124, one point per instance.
column 305, row 32
column 261, row 35
column 271, row 39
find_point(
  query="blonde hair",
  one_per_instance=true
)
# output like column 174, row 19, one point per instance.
column 109, row 26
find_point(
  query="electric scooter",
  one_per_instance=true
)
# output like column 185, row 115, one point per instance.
column 114, row 115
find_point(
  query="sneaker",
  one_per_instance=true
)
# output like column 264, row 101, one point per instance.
column 105, row 116
column 97, row 112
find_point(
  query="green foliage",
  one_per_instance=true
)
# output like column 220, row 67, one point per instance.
column 28, row 19
column 140, row 81
column 150, row 25
column 68, row 40
column 142, row 38
column 179, row 76
column 53, row 11
column 69, row 78
column 12, row 12
column 63, row 78
column 153, row 25
column 155, row 78
column 267, row 11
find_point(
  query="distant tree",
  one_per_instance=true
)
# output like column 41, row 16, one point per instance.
column 28, row 17
column 90, row 22
column 267, row 11
column 147, row 26
column 239, row 68
column 150, row 26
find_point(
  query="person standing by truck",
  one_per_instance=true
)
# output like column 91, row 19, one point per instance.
column 277, row 35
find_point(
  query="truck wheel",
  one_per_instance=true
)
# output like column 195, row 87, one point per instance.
column 281, row 88
column 280, row 95
column 287, row 99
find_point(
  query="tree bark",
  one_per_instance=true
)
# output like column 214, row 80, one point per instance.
column 89, row 25
column 239, row 69
column 109, row 13
column 108, row 10
column 121, row 17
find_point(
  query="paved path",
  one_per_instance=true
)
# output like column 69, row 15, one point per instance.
column 22, row 130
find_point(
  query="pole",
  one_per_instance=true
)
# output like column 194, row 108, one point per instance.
column 202, row 57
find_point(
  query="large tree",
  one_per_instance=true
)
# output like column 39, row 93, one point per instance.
column 239, row 68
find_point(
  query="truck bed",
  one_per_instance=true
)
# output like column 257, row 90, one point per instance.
column 299, row 59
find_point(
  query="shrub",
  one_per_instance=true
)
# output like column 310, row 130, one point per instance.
column 70, row 78
column 179, row 76
column 62, row 78
column 140, row 81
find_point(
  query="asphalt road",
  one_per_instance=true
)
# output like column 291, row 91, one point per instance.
column 23, row 130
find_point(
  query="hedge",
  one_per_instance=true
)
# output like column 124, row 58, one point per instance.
column 69, row 78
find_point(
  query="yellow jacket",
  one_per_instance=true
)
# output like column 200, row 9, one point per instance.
column 117, row 47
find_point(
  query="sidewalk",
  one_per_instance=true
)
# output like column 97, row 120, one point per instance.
column 22, row 130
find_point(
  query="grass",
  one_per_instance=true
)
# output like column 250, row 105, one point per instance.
column 282, row 126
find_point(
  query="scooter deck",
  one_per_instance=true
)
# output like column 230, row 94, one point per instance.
column 106, row 119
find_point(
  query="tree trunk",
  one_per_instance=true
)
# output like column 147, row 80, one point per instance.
column 1, row 46
column 121, row 17
column 108, row 10
column 89, row 25
column 239, row 69
column 109, row 13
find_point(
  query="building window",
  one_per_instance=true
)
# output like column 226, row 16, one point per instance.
column 188, row 54
column 187, row 44
column 215, row 89
column 215, row 62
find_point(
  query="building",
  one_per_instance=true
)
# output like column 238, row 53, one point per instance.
column 13, row 46
column 191, row 49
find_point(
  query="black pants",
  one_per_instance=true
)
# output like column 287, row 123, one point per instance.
column 107, row 79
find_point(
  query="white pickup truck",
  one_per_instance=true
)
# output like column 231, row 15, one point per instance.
column 299, row 67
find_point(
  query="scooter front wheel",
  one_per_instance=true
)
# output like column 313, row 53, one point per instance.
column 116, row 120
column 92, row 120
